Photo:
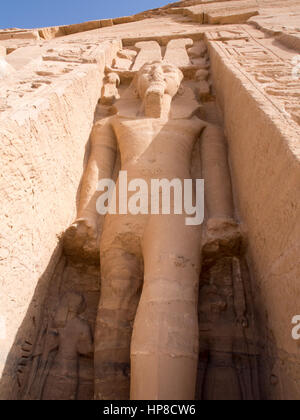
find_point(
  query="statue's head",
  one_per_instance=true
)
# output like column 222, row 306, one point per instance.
column 161, row 76
column 157, row 83
column 76, row 303
column 158, row 91
column 71, row 302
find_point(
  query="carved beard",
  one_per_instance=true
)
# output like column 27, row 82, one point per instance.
column 154, row 100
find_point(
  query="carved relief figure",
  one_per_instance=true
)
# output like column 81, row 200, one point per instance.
column 150, row 264
column 54, row 373
column 225, row 371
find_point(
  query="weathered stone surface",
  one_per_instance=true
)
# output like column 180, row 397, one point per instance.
column 230, row 12
column 272, row 225
column 24, row 55
column 106, row 22
column 5, row 68
column 148, row 51
column 43, row 146
column 176, row 52
column 143, row 88
column 19, row 34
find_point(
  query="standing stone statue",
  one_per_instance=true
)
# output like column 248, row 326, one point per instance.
column 147, row 324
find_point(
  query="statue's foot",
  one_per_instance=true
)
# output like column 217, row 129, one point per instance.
column 222, row 237
column 81, row 240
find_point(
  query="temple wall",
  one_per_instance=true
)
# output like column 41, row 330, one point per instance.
column 265, row 163
column 42, row 153
column 51, row 80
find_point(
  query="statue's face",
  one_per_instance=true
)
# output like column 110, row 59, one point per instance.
column 76, row 303
column 163, row 76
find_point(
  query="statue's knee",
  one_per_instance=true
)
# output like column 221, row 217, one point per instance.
column 121, row 274
column 120, row 281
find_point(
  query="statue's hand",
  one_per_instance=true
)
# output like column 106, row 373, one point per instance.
column 81, row 240
column 242, row 321
column 51, row 342
column 222, row 237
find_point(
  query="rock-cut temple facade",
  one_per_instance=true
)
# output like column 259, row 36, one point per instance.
column 142, row 304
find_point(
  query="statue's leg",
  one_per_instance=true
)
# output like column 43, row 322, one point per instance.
column 222, row 236
column 121, row 279
column 215, row 171
column 164, row 349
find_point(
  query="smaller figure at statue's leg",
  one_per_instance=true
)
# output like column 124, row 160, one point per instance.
column 121, row 278
column 164, row 348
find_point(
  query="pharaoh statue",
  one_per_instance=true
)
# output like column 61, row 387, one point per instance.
column 147, row 324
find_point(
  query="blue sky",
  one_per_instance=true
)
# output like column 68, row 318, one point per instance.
column 39, row 13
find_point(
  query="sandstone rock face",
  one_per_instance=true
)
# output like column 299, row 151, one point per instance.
column 5, row 68
column 143, row 306
column 2, row 51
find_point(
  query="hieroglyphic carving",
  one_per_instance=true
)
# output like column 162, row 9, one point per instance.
column 269, row 72
column 54, row 65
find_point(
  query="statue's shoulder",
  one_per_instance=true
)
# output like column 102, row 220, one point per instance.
column 197, row 120
column 130, row 122
column 82, row 324
column 103, row 132
column 103, row 122
column 194, row 123
column 105, row 125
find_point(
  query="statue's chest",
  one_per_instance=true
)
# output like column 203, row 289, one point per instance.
column 136, row 134
column 136, row 137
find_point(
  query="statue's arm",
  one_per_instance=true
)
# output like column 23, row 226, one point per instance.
column 215, row 171
column 222, row 230
column 196, row 170
column 82, row 237
column 51, row 344
column 85, row 345
column 100, row 165
column 240, row 305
